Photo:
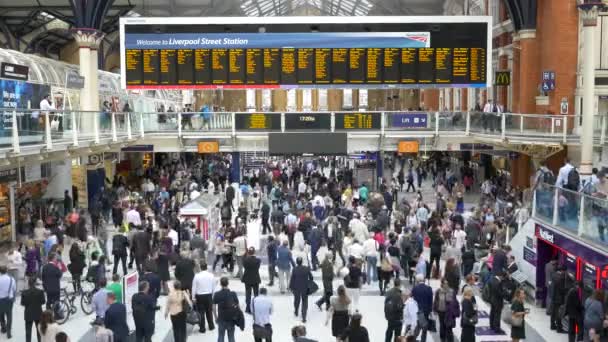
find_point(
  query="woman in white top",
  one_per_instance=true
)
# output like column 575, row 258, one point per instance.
column 410, row 314
column 48, row 328
column 412, row 219
column 39, row 231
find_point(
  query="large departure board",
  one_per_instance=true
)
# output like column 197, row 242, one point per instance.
column 192, row 53
column 357, row 121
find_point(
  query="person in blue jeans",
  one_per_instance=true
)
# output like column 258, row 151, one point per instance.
column 225, row 309
column 370, row 247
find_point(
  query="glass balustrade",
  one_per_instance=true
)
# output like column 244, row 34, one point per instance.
column 574, row 212
column 90, row 126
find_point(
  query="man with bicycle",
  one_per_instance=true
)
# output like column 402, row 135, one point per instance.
column 51, row 281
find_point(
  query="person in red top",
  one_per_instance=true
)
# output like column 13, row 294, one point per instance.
column 379, row 237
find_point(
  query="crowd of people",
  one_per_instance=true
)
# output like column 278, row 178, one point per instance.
column 314, row 216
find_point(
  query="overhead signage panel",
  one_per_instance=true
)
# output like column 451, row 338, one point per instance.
column 14, row 71
column 307, row 121
column 257, row 122
column 358, row 121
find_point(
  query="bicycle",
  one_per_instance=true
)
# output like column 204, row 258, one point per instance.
column 65, row 306
column 86, row 301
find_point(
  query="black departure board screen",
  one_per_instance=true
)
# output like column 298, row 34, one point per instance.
column 288, row 66
column 133, row 67
column 339, row 66
column 308, row 143
column 247, row 53
column 322, row 66
column 392, row 65
column 255, row 66
column 168, row 66
column 150, row 66
column 443, row 65
column 185, row 66
column 272, row 66
column 357, row 62
column 306, row 66
column 307, row 121
column 409, row 66
column 357, row 121
column 202, row 66
column 257, row 122
column 236, row 66
column 219, row 66
column 426, row 65
column 374, row 66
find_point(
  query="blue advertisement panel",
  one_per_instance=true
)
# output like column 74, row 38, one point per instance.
column 16, row 94
column 278, row 40
column 410, row 120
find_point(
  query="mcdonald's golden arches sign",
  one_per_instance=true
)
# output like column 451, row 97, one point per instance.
column 502, row 78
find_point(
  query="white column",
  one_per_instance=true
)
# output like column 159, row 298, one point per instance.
column 88, row 40
column 94, row 86
column 84, row 53
column 588, row 14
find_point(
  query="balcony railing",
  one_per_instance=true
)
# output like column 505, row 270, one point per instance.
column 34, row 128
column 576, row 213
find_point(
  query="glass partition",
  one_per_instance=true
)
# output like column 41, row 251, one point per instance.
column 577, row 213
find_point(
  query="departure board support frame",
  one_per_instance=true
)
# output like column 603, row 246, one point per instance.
column 238, row 74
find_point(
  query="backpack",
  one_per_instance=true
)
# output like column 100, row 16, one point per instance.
column 406, row 246
column 91, row 276
column 574, row 180
column 548, row 177
column 393, row 307
column 230, row 307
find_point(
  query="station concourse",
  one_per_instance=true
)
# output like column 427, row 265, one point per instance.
column 153, row 147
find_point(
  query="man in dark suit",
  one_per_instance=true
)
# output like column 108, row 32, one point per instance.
column 153, row 279
column 120, row 244
column 315, row 237
column 558, row 298
column 32, row 300
column 184, row 271
column 574, row 311
column 500, row 261
column 116, row 319
column 271, row 252
column 300, row 277
column 251, row 276
column 51, row 278
column 143, row 306
column 141, row 248
column 496, row 301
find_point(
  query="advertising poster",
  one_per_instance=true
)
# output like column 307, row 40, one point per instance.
column 130, row 284
column 16, row 94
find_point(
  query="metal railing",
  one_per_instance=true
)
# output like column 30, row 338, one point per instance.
column 22, row 128
column 573, row 212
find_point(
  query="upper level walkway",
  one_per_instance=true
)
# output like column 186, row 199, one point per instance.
column 27, row 132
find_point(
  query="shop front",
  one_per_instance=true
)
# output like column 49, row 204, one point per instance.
column 7, row 195
column 582, row 261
